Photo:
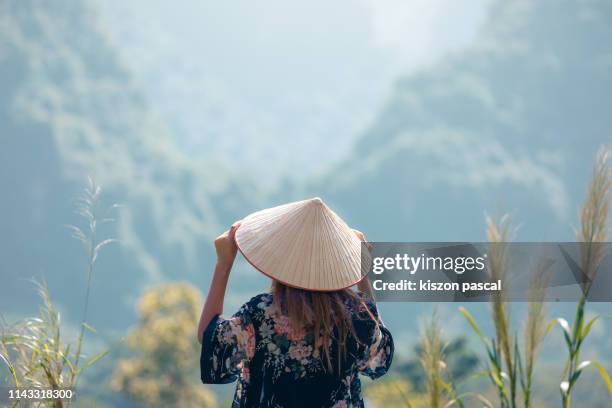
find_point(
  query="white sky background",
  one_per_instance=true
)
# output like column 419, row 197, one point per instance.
column 243, row 80
column 417, row 32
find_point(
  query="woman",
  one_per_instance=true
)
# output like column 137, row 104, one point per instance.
column 304, row 343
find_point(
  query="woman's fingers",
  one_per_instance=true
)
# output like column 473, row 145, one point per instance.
column 232, row 230
column 359, row 234
column 225, row 244
column 362, row 238
column 226, row 250
column 229, row 234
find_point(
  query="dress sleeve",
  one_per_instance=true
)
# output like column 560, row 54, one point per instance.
column 226, row 345
column 377, row 349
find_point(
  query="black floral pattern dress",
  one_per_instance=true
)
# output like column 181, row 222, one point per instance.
column 276, row 365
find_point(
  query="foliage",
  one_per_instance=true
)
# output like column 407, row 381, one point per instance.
column 460, row 363
column 33, row 349
column 434, row 366
column 394, row 393
column 162, row 369
column 508, row 366
column 439, row 388
column 499, row 349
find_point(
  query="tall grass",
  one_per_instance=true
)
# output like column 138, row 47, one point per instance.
column 499, row 234
column 501, row 349
column 440, row 384
column 510, row 366
column 432, row 361
column 534, row 331
column 593, row 230
column 34, row 349
column 87, row 207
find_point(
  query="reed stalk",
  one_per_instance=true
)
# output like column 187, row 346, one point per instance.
column 499, row 234
column 507, row 366
column 593, row 231
column 440, row 385
column 432, row 361
column 534, row 331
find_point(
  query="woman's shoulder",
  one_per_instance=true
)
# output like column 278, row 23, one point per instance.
column 264, row 298
column 258, row 302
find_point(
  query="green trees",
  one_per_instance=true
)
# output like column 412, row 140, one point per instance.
column 163, row 368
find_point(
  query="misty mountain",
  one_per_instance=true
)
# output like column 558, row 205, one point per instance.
column 69, row 110
column 511, row 124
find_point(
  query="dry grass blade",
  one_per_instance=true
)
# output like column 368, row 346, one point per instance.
column 432, row 360
column 88, row 205
column 403, row 395
column 535, row 328
column 32, row 348
column 499, row 234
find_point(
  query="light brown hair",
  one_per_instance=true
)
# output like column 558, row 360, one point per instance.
column 320, row 313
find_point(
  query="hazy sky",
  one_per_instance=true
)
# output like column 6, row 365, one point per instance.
column 417, row 32
column 245, row 79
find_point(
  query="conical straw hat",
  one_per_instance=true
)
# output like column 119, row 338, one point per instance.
column 302, row 244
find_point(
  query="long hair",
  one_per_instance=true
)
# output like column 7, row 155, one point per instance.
column 324, row 314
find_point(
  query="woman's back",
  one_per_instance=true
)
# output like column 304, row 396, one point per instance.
column 279, row 364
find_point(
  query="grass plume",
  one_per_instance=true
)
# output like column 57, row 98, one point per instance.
column 440, row 384
column 593, row 230
column 432, row 360
column 33, row 349
column 88, row 208
column 499, row 234
column 534, row 331
column 509, row 366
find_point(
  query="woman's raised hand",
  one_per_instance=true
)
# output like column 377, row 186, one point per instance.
column 225, row 245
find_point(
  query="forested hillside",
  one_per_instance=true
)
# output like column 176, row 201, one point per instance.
column 69, row 110
column 508, row 125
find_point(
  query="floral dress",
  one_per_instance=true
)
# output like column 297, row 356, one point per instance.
column 276, row 365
